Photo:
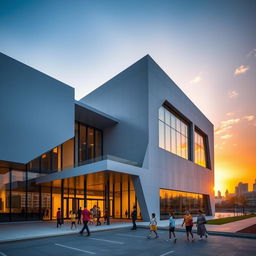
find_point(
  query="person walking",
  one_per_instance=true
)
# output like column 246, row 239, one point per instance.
column 86, row 218
column 58, row 216
column 79, row 215
column 201, row 230
column 106, row 216
column 91, row 217
column 98, row 215
column 134, row 218
column 153, row 226
column 188, row 221
column 73, row 218
column 172, row 227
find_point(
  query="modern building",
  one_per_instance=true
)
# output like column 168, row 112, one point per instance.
column 254, row 186
column 137, row 140
column 241, row 188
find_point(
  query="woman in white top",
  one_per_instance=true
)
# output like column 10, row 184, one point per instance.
column 153, row 226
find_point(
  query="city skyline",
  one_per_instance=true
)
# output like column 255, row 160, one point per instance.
column 207, row 48
column 250, row 189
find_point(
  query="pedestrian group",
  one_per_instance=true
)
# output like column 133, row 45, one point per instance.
column 94, row 214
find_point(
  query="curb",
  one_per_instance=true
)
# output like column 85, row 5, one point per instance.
column 214, row 233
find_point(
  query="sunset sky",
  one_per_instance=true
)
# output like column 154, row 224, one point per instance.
column 207, row 47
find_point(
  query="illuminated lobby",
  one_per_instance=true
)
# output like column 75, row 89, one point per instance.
column 136, row 141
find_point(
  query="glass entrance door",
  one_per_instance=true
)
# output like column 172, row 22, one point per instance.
column 71, row 204
column 98, row 202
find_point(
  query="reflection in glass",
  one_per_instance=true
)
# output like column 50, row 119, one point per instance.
column 173, row 133
column 82, row 143
column 18, row 195
column 90, row 149
column 178, row 202
column 68, row 154
column 199, row 149
column 4, row 194
column 98, row 143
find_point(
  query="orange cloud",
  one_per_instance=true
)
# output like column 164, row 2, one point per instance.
column 241, row 70
column 227, row 136
column 222, row 129
column 230, row 121
column 249, row 118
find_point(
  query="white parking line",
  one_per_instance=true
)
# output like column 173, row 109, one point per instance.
column 72, row 248
column 3, row 254
column 130, row 235
column 167, row 253
column 109, row 241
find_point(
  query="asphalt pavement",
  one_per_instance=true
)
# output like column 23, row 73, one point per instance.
column 126, row 242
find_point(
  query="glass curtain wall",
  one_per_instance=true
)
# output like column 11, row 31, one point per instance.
column 173, row 133
column 178, row 202
column 200, row 150
column 22, row 199
column 85, row 147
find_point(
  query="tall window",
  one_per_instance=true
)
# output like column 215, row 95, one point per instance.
column 200, row 151
column 173, row 133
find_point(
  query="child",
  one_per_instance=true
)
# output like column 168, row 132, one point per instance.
column 188, row 220
column 73, row 219
column 153, row 226
column 172, row 227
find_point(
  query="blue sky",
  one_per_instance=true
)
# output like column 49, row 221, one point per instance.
column 200, row 45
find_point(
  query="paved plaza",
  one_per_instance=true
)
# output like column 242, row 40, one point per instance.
column 29, row 230
column 127, row 242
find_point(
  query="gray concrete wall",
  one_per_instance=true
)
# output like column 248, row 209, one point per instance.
column 36, row 111
column 125, row 98
column 167, row 170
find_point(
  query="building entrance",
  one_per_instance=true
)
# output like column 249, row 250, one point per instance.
column 71, row 204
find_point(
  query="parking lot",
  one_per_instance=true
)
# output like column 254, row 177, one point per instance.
column 127, row 242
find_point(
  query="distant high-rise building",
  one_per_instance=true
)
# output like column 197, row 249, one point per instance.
column 226, row 193
column 219, row 194
column 241, row 188
column 254, row 186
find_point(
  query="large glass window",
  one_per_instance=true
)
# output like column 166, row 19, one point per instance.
column 68, row 154
column 82, row 143
column 90, row 149
column 98, row 143
column 18, row 195
column 178, row 202
column 173, row 133
column 4, row 194
column 199, row 149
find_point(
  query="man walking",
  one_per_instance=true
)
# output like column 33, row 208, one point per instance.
column 86, row 218
column 134, row 218
column 59, row 219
